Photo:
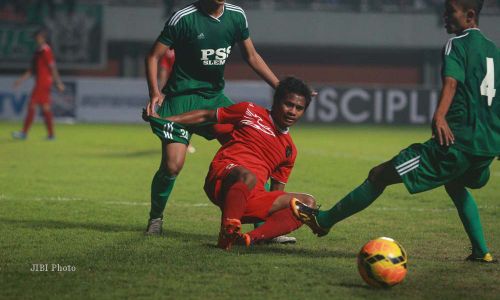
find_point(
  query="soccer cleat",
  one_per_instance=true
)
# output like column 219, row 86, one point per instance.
column 282, row 239
column 230, row 234
column 307, row 215
column 19, row 135
column 154, row 227
column 487, row 258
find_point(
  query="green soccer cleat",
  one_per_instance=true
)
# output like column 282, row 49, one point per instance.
column 154, row 227
column 307, row 215
column 487, row 258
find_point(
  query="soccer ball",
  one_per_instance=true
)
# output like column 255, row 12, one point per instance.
column 382, row 262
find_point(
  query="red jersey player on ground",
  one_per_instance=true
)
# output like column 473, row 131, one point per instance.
column 260, row 147
column 44, row 69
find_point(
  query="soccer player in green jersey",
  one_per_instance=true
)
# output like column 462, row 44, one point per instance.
column 203, row 35
column 466, row 135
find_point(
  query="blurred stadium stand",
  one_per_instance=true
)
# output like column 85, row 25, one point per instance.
column 389, row 42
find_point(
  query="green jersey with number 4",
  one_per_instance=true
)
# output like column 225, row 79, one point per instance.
column 474, row 116
column 202, row 45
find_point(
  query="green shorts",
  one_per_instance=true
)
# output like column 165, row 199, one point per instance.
column 426, row 166
column 172, row 132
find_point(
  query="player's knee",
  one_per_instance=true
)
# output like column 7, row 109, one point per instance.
column 173, row 168
column 374, row 175
column 308, row 200
column 248, row 178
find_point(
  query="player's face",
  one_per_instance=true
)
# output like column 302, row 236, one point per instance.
column 39, row 39
column 289, row 110
column 455, row 18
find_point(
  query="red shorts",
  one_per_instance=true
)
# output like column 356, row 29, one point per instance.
column 41, row 94
column 258, row 203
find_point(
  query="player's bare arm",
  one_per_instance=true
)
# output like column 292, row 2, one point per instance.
column 57, row 78
column 23, row 77
column 194, row 117
column 440, row 127
column 255, row 61
column 154, row 56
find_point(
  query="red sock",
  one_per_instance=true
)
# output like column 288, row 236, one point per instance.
column 235, row 201
column 47, row 115
column 29, row 118
column 279, row 223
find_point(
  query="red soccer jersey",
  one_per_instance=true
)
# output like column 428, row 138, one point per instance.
column 167, row 61
column 256, row 143
column 43, row 59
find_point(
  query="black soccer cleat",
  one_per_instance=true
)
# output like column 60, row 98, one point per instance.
column 307, row 215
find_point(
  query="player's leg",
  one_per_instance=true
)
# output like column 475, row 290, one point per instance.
column 236, row 186
column 48, row 119
column 475, row 177
column 172, row 161
column 361, row 197
column 280, row 219
column 469, row 214
column 28, row 121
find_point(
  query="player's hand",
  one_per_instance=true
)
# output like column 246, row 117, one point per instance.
column 17, row 83
column 156, row 100
column 60, row 87
column 442, row 131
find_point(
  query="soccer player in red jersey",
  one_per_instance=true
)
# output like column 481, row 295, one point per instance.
column 166, row 65
column 45, row 71
column 260, row 147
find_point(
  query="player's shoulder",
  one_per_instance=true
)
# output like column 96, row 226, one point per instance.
column 457, row 41
column 235, row 11
column 182, row 14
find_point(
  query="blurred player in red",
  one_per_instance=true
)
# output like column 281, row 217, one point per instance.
column 166, row 65
column 260, row 147
column 43, row 67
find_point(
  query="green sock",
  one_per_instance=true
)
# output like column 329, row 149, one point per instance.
column 469, row 214
column 161, row 187
column 355, row 201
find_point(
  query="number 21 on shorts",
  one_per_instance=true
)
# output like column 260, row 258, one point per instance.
column 488, row 84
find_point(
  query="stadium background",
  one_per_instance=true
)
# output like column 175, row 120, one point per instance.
column 372, row 61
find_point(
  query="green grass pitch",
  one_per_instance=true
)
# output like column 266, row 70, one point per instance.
column 82, row 200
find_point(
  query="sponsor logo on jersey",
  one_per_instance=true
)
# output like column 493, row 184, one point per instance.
column 201, row 36
column 255, row 121
column 288, row 151
column 215, row 57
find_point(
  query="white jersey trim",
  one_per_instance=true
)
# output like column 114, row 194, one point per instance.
column 176, row 17
column 237, row 9
column 449, row 44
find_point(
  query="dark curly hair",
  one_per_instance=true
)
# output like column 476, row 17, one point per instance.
column 292, row 85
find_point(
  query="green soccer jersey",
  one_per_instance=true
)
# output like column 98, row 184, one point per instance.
column 474, row 115
column 202, row 46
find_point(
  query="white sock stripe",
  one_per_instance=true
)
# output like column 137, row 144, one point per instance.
column 178, row 16
column 408, row 167
column 407, row 162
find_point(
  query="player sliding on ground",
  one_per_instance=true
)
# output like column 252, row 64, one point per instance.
column 259, row 147
column 466, row 135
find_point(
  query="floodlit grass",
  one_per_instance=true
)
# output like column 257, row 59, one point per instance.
column 83, row 200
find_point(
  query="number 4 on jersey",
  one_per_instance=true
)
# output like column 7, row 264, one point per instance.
column 488, row 84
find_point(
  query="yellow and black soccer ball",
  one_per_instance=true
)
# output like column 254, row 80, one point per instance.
column 382, row 262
